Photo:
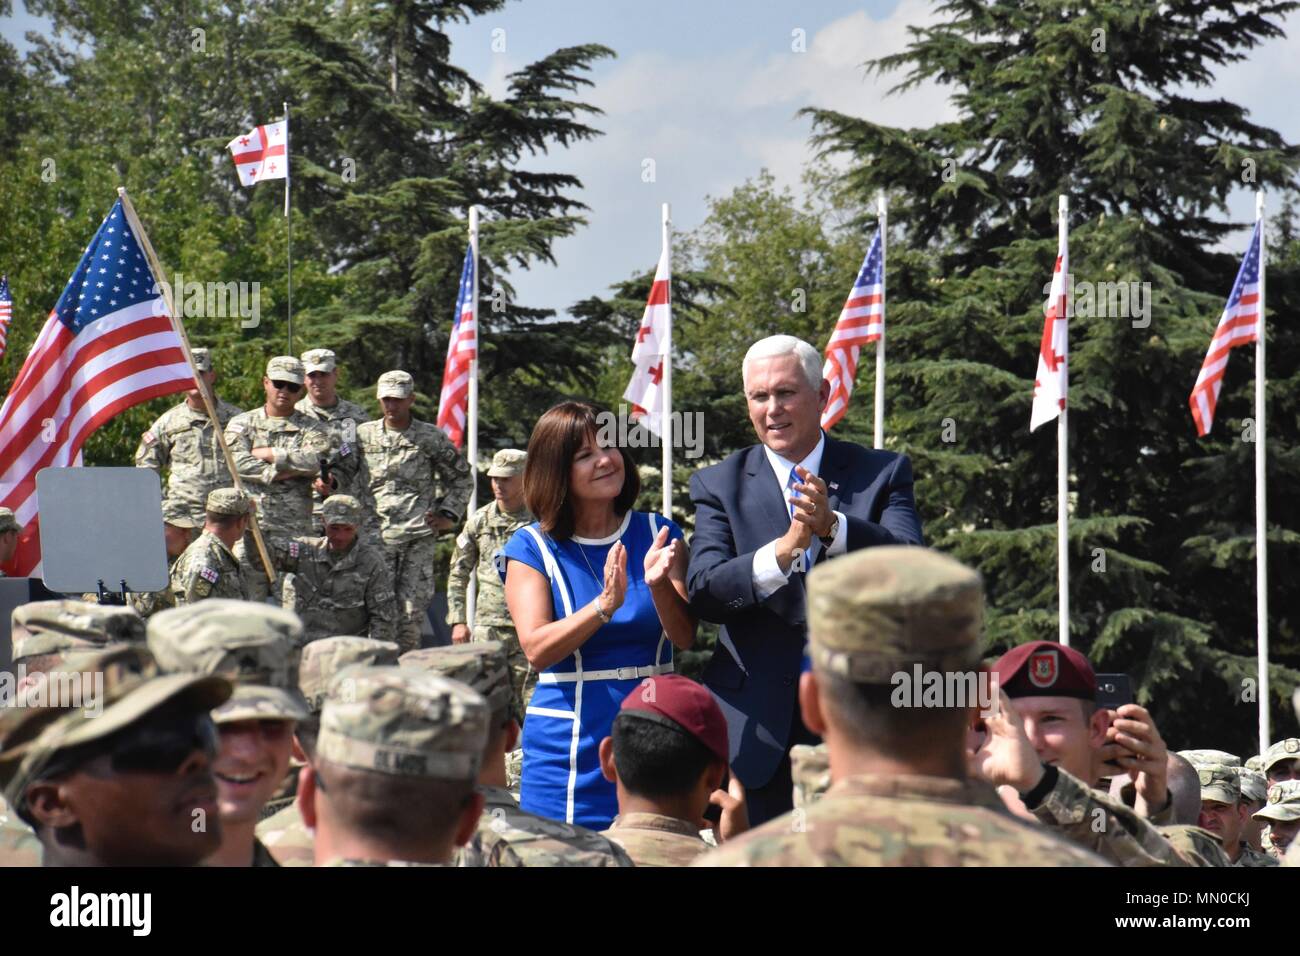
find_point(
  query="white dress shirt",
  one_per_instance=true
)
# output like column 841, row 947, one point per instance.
column 767, row 574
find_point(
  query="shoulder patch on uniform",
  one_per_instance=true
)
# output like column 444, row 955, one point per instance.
column 344, row 450
column 209, row 574
column 236, row 427
column 150, row 437
column 294, row 548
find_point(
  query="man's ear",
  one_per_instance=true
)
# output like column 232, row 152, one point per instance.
column 824, row 395
column 1098, row 724
column 306, row 797
column 714, row 774
column 49, row 805
column 810, row 704
column 297, row 752
column 607, row 760
column 512, row 735
column 468, row 823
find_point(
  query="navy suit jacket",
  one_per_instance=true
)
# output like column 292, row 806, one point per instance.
column 739, row 507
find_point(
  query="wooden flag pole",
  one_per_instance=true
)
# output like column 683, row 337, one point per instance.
column 156, row 268
column 1063, row 454
column 471, row 447
column 666, row 427
column 1261, row 509
column 880, row 342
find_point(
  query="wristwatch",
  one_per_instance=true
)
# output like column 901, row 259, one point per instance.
column 829, row 539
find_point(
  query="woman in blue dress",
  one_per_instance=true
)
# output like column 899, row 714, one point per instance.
column 597, row 592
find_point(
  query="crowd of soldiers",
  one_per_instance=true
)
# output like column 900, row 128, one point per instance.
column 215, row 727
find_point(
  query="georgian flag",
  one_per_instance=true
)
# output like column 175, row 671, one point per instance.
column 261, row 154
column 645, row 390
column 1052, row 382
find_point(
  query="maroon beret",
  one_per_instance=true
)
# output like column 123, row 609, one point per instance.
column 679, row 702
column 1046, row 669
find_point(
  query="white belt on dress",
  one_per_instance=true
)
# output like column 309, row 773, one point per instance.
column 619, row 673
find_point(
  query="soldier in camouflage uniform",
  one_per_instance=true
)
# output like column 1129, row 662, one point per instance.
column 283, row 833
column 1281, row 761
column 340, row 585
column 183, row 441
column 44, row 633
column 506, row 835
column 178, row 534
column 810, row 769
column 256, row 647
column 121, row 779
column 208, row 568
column 1210, row 758
column 1254, row 794
column 402, row 462
column 277, row 450
column 1282, row 813
column 401, row 744
column 10, row 529
column 339, row 417
column 1223, row 813
column 872, row 614
column 479, row 547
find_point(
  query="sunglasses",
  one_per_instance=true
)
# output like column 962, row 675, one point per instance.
column 287, row 386
column 157, row 747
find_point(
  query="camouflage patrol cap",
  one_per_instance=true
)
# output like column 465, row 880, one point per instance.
column 1219, row 758
column 255, row 645
column 8, row 522
column 324, row 658
column 57, row 627
column 118, row 685
column 177, row 515
column 341, row 509
column 1288, row 749
column 228, row 501
column 507, row 463
column 1283, row 802
column 317, row 360
column 202, row 359
column 395, row 384
column 284, row 368
column 1219, row 782
column 482, row 665
column 402, row 721
column 874, row 612
column 1254, row 785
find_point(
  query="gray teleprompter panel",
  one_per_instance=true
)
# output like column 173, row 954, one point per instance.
column 101, row 524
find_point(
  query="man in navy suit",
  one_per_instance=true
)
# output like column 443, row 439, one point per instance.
column 763, row 517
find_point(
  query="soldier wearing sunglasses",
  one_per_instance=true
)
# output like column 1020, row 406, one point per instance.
column 126, row 778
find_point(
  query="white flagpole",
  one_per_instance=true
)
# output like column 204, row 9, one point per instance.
column 880, row 342
column 666, row 436
column 471, row 447
column 1063, row 453
column 288, row 225
column 1261, row 511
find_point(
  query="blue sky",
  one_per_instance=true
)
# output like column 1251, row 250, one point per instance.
column 709, row 89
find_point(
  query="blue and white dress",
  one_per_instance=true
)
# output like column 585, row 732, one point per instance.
column 576, row 699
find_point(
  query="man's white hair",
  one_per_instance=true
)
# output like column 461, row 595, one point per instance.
column 776, row 345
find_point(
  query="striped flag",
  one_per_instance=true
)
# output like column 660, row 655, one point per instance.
column 1052, row 381
column 862, row 320
column 6, row 313
column 462, row 349
column 108, row 345
column 261, row 154
column 645, row 390
column 1238, row 325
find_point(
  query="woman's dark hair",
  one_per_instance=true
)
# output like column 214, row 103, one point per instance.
column 556, row 438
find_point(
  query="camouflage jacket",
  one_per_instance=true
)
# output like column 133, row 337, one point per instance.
column 19, row 845
column 207, row 568
column 509, row 836
column 183, row 441
column 1250, row 857
column 652, row 839
column 333, row 593
column 810, row 769
column 341, row 422
column 1107, row 827
column 287, row 838
column 900, row 820
column 283, row 507
column 1199, row 847
column 399, row 473
column 477, row 548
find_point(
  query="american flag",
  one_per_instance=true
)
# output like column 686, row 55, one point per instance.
column 108, row 345
column 1238, row 325
column 261, row 154
column 462, row 349
column 861, row 321
column 645, row 390
column 1052, row 381
column 6, row 313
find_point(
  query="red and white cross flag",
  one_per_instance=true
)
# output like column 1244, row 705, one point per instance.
column 261, row 154
column 646, row 390
column 1052, row 381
